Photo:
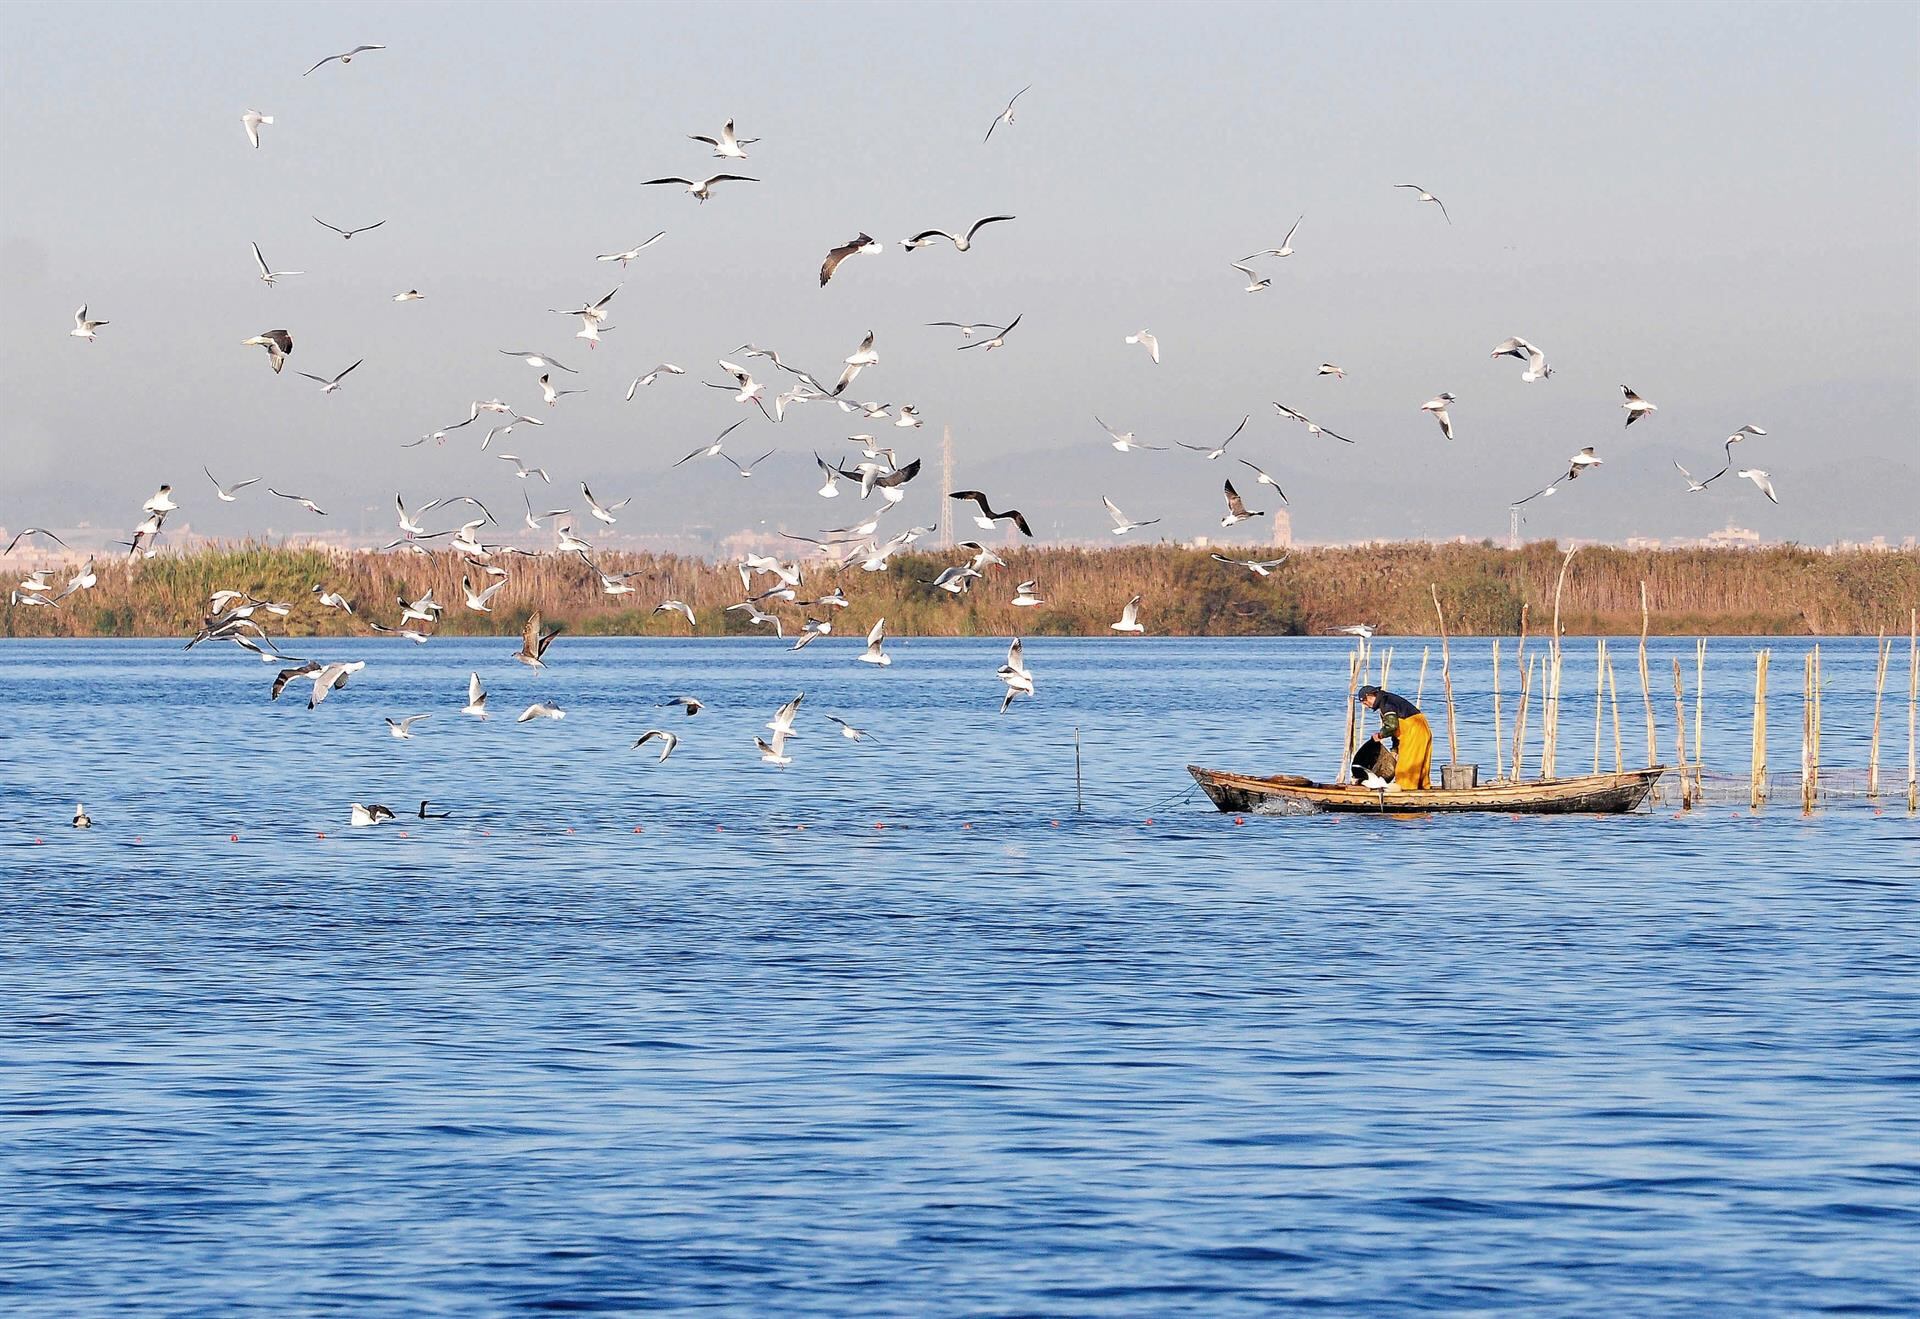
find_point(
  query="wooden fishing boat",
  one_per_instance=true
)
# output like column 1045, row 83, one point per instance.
column 1289, row 794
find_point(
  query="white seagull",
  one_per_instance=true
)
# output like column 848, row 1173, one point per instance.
column 403, row 729
column 1258, row 567
column 632, row 252
column 267, row 273
column 651, row 376
column 1262, row 478
column 1124, row 441
column 1122, row 524
column 328, row 386
column 348, row 233
column 251, row 121
column 1537, row 368
column 84, row 328
column 1129, row 618
column 1437, row 405
column 961, row 242
column 1636, row 406
column 876, row 638
column 476, row 698
column 540, row 710
column 726, row 146
column 1426, row 196
column 344, row 58
column 1285, row 248
column 1237, row 510
column 1759, row 478
column 278, row 343
column 1006, row 115
column 701, row 189
column 1148, row 342
column 668, row 741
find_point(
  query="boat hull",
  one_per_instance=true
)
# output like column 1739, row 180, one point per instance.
column 1286, row 794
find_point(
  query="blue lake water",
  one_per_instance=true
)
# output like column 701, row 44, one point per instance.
column 897, row 1030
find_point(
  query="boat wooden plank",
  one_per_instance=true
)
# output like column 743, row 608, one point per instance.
column 1285, row 794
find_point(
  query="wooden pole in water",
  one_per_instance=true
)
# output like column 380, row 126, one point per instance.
column 1819, row 682
column 1446, row 679
column 1757, row 774
column 1346, row 745
column 1883, row 650
column 1699, row 705
column 1079, row 797
column 1599, row 695
column 1520, row 721
column 1913, row 701
column 1680, row 734
column 1806, row 733
column 1550, row 760
column 1613, row 697
column 1420, row 692
column 1646, row 685
column 1386, row 666
column 1499, row 751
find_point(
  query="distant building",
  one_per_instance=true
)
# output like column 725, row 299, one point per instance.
column 1282, row 529
column 1733, row 538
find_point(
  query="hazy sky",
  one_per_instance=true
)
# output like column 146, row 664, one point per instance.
column 1714, row 203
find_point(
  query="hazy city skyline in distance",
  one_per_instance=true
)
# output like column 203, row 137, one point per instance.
column 1713, row 204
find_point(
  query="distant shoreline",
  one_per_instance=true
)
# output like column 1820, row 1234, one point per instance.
column 1779, row 591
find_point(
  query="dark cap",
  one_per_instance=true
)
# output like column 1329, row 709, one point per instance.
column 1365, row 692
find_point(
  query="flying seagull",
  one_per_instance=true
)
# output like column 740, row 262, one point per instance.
column 987, row 515
column 1636, row 406
column 328, row 386
column 1437, row 405
column 1129, row 618
column 346, row 58
column 533, row 646
column 476, row 698
column 691, row 704
column 1537, row 368
column 966, row 328
column 1426, row 196
column 1237, row 510
column 403, row 729
column 1329, row 369
column 1006, row 115
column 1148, row 342
column 1220, row 448
column 267, row 273
column 1313, row 427
column 540, row 710
column 668, row 741
column 540, row 360
column 632, row 252
column 999, row 339
column 961, row 242
column 347, row 233
column 1759, row 478
column 876, row 639
column 726, row 146
column 1255, row 281
column 301, row 500
column 1694, row 487
column 858, row 243
column 1121, row 523
column 251, row 121
column 1285, row 248
column 701, row 189
column 84, row 328
column 1124, row 441
column 1258, row 567
column 641, row 381
column 278, row 343
column 1579, row 463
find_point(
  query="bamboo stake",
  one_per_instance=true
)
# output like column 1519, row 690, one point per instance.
column 1680, row 734
column 1520, row 721
column 1613, row 696
column 1599, row 695
column 1818, row 686
column 1757, row 785
column 1550, row 759
column 1386, row 665
column 1883, row 651
column 1446, row 679
column 1646, row 685
column 1913, row 702
column 1346, row 745
column 1499, row 757
column 1806, row 735
column 1699, row 705
column 1420, row 692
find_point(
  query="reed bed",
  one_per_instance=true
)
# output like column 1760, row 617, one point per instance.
column 1778, row 591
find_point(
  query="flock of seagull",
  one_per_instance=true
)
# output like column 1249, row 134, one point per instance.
column 768, row 583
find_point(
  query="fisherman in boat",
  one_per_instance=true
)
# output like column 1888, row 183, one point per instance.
column 1402, row 722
